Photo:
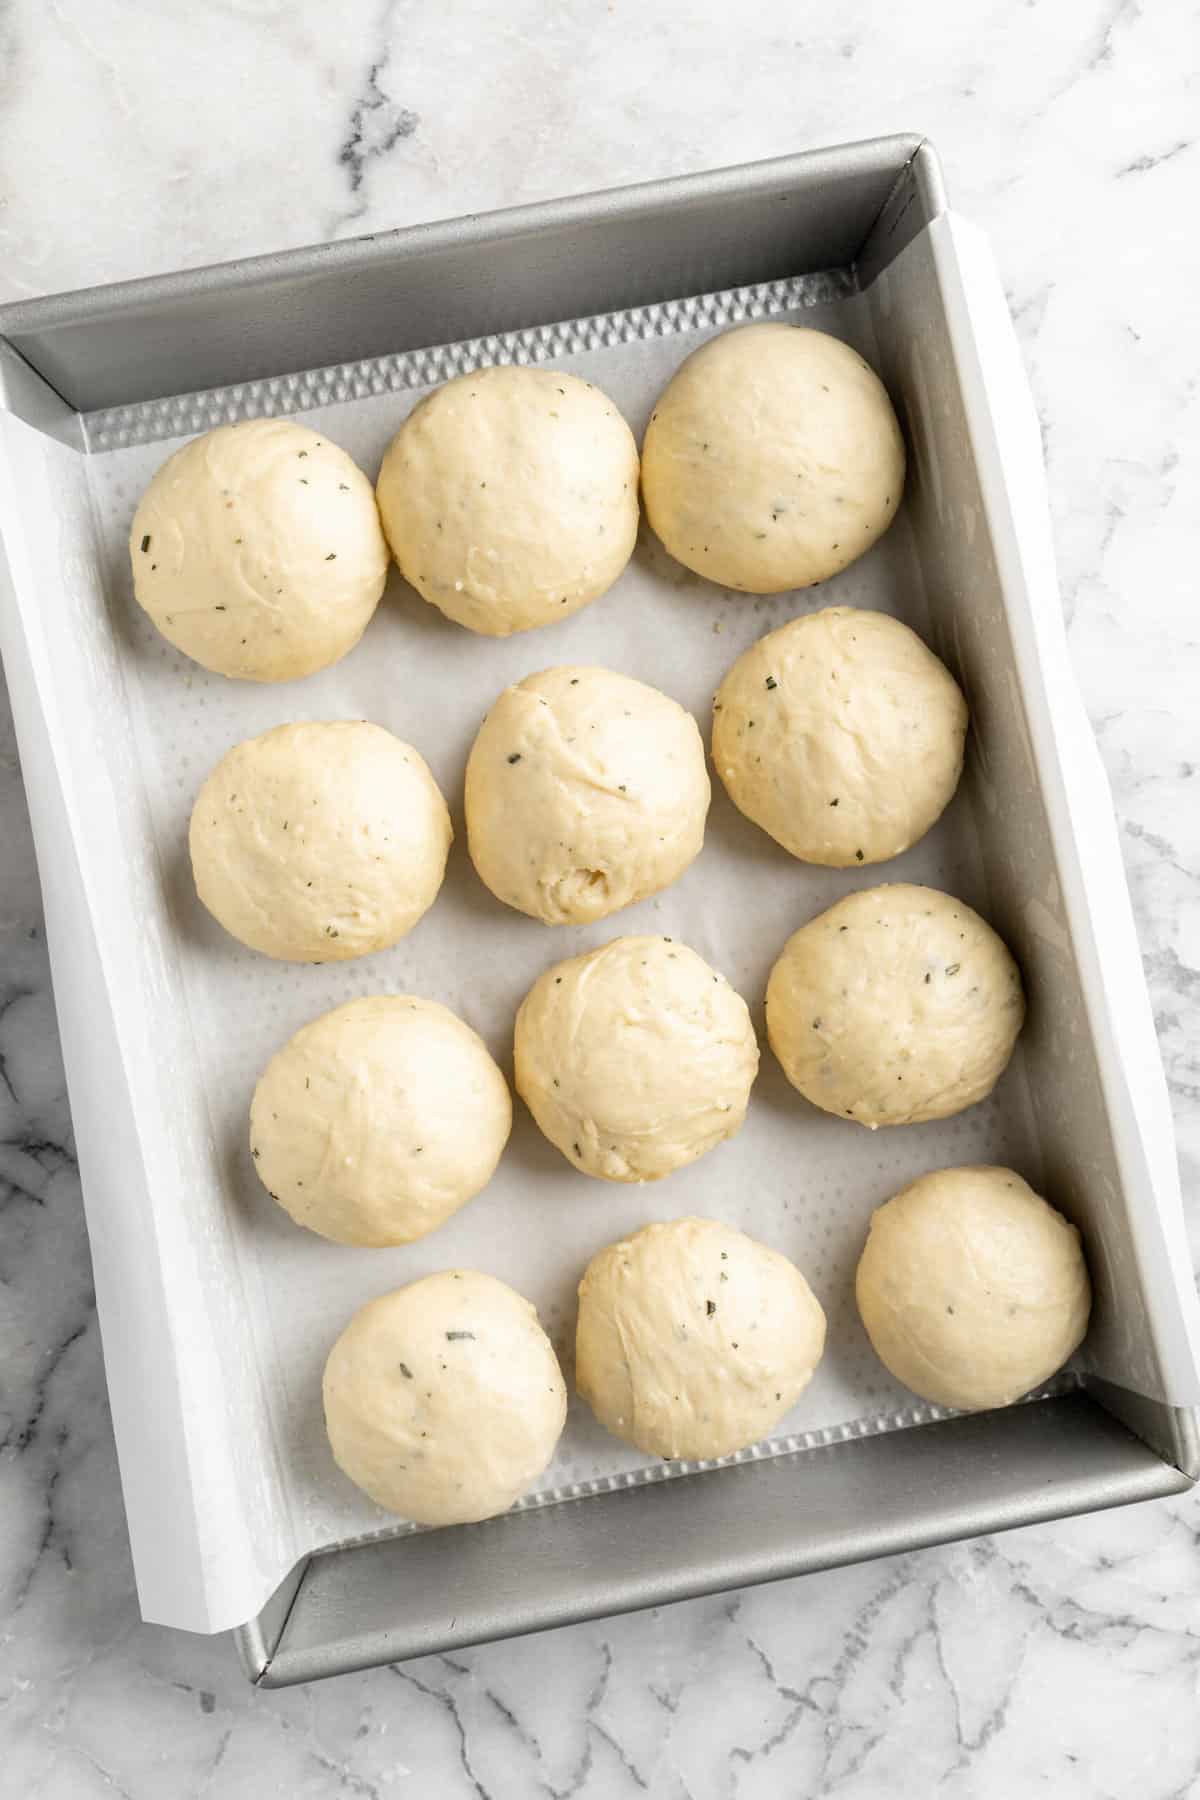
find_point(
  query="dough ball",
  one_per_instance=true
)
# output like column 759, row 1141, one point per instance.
column 444, row 1400
column 972, row 1289
column 635, row 1059
column 257, row 551
column 316, row 843
column 586, row 791
column 379, row 1120
column 841, row 735
column 898, row 1004
column 772, row 459
column 509, row 497
column 693, row 1340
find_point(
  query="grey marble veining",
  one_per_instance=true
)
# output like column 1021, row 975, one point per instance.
column 1060, row 1660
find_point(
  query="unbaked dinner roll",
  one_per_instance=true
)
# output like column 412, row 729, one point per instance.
column 586, row 791
column 841, row 735
column 257, row 551
column 898, row 1004
column 772, row 459
column 693, row 1340
column 315, row 843
column 377, row 1121
column 635, row 1059
column 973, row 1290
column 444, row 1400
column 509, row 497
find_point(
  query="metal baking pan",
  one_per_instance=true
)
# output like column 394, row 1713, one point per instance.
column 83, row 372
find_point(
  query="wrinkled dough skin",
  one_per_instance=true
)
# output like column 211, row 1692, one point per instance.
column 509, row 498
column 898, row 1004
column 635, row 1059
column 586, row 791
column 840, row 735
column 973, row 1289
column 257, row 551
column 317, row 843
column 444, row 1400
column 378, row 1120
column 693, row 1340
column 772, row 460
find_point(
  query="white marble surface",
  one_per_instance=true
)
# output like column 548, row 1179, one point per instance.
column 135, row 138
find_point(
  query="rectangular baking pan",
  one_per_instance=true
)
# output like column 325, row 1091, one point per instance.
column 81, row 367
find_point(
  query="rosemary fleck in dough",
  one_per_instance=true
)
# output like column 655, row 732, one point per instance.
column 509, row 497
column 316, row 843
column 972, row 1288
column 257, row 551
column 693, row 1340
column 586, row 791
column 378, row 1120
column 841, row 735
column 635, row 1059
column 444, row 1401
column 898, row 1004
column 772, row 459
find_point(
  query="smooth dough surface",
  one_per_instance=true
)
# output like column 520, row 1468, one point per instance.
column 841, row 735
column 693, row 1340
column 316, row 843
column 772, row 459
column 444, row 1400
column 509, row 497
column 586, row 791
column 257, row 551
column 972, row 1288
column 898, row 1004
column 378, row 1120
column 635, row 1059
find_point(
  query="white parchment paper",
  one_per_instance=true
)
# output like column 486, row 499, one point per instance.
column 794, row 1177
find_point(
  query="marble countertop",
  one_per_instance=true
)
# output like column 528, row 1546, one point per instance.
column 1062, row 1659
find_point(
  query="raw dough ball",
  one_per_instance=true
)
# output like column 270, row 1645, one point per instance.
column 693, row 1340
column 635, row 1059
column 315, row 843
column 444, row 1400
column 898, row 1004
column 586, row 791
column 257, row 551
column 772, row 459
column 841, row 735
column 972, row 1289
column 509, row 497
column 379, row 1120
